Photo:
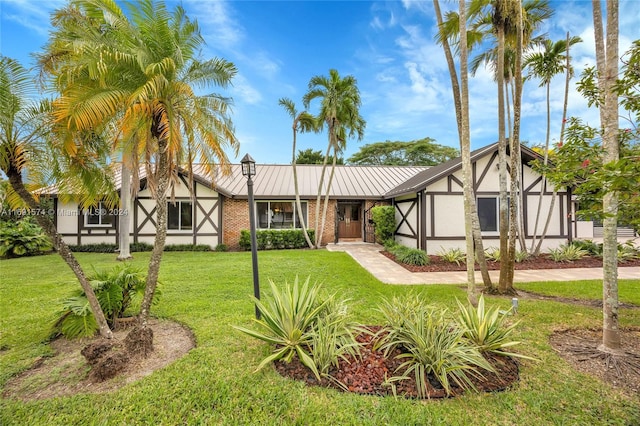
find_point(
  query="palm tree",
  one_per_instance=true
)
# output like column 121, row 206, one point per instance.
column 545, row 65
column 23, row 129
column 340, row 112
column 303, row 122
column 139, row 74
column 607, row 66
column 461, row 101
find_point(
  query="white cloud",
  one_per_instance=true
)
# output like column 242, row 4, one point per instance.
column 217, row 23
column 243, row 90
column 33, row 15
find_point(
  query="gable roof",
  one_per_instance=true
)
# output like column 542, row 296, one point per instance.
column 355, row 182
column 424, row 178
column 275, row 181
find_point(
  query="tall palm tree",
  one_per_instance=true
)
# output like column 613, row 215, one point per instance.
column 139, row 73
column 461, row 101
column 607, row 66
column 340, row 112
column 303, row 122
column 23, row 133
column 545, row 65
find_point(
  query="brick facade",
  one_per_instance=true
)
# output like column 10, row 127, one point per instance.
column 235, row 218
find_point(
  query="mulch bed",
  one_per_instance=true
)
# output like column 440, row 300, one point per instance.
column 367, row 375
column 544, row 261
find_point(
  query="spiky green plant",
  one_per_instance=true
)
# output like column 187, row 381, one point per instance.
column 287, row 320
column 567, row 253
column 454, row 255
column 333, row 337
column 487, row 329
column 492, row 254
column 432, row 345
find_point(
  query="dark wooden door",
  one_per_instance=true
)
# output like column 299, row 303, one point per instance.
column 349, row 221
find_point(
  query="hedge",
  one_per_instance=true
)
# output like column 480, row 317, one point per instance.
column 276, row 239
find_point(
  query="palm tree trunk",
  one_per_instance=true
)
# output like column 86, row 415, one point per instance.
column 515, row 156
column 465, row 149
column 124, row 219
column 325, row 206
column 15, row 179
column 502, row 166
column 319, row 196
column 561, row 139
column 469, row 201
column 543, row 179
column 607, row 61
column 162, row 177
column 297, row 191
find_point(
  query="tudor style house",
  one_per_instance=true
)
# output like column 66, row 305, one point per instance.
column 428, row 202
column 430, row 205
column 215, row 212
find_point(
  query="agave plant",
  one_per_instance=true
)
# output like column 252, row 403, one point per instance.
column 287, row 321
column 454, row 255
column 432, row 345
column 567, row 253
column 486, row 328
column 333, row 337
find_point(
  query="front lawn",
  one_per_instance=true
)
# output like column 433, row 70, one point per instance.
column 215, row 383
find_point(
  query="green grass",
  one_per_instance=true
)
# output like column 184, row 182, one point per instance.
column 215, row 383
column 628, row 290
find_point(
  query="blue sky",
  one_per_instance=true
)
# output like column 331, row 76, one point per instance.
column 387, row 46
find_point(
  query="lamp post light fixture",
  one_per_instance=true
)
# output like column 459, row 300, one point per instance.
column 249, row 170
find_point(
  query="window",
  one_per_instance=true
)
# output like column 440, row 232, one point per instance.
column 98, row 216
column 279, row 214
column 179, row 216
column 488, row 213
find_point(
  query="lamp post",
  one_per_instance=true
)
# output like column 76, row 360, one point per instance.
column 249, row 170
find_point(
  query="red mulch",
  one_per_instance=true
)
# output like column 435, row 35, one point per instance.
column 367, row 375
column 437, row 264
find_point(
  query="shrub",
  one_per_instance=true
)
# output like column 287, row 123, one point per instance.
column 270, row 239
column 287, row 320
column 22, row 238
column 94, row 248
column 117, row 291
column 140, row 247
column 521, row 256
column 454, row 255
column 333, row 337
column 431, row 345
column 486, row 328
column 594, row 249
column 627, row 251
column 221, row 248
column 384, row 218
column 412, row 256
column 187, row 247
column 492, row 254
column 567, row 253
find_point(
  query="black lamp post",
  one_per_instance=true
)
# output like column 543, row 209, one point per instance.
column 249, row 170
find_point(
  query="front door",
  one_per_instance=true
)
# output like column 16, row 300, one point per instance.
column 349, row 221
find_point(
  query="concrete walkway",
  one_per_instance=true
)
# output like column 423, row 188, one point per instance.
column 387, row 271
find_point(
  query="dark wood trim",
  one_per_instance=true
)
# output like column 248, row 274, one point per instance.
column 220, row 218
column 476, row 183
column 422, row 220
column 432, row 208
column 452, row 179
column 404, row 219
